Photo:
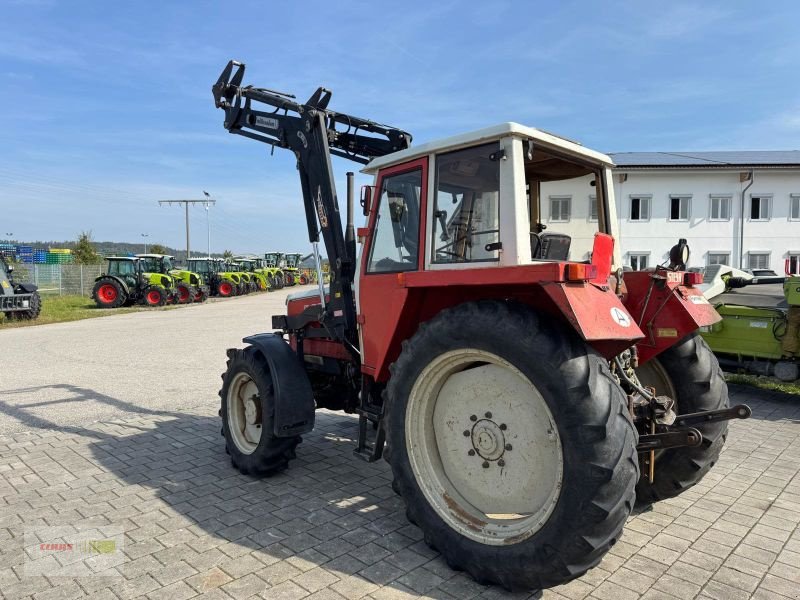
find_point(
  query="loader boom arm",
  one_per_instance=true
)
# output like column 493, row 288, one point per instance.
column 313, row 133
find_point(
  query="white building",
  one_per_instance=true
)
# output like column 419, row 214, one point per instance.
column 737, row 208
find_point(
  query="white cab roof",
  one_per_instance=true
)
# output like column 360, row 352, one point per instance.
column 485, row 135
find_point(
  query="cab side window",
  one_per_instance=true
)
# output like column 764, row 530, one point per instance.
column 395, row 241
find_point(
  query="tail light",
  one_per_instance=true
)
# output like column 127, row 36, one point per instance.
column 691, row 279
column 580, row 272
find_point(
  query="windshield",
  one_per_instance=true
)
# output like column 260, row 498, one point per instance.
column 151, row 264
column 168, row 264
column 200, row 266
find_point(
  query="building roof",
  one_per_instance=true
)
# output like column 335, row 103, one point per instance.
column 718, row 159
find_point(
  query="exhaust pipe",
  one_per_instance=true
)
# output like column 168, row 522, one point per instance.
column 350, row 234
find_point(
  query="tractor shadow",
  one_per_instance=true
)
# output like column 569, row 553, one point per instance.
column 178, row 490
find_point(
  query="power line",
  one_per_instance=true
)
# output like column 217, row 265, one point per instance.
column 186, row 204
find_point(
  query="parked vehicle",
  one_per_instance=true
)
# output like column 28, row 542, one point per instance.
column 18, row 301
column 272, row 262
column 252, row 266
column 760, row 328
column 189, row 286
column 220, row 281
column 126, row 281
column 524, row 398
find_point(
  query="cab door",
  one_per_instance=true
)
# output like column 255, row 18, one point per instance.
column 393, row 247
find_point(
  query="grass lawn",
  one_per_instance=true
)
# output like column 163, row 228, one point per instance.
column 57, row 309
column 765, row 383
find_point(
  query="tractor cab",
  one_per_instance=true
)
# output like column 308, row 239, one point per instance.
column 504, row 196
column 273, row 259
column 293, row 260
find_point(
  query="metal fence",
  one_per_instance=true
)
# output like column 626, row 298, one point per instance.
column 59, row 279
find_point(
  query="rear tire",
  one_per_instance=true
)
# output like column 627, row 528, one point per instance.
column 697, row 382
column 247, row 409
column 574, row 512
column 108, row 293
column 200, row 296
column 185, row 293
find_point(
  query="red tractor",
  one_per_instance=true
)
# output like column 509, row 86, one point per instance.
column 523, row 392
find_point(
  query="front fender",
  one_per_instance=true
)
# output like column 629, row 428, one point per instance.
column 294, row 398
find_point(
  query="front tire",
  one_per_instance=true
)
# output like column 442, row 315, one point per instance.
column 225, row 289
column 247, row 410
column 185, row 293
column 510, row 444
column 155, row 295
column 689, row 373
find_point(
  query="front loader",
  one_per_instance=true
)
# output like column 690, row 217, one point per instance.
column 524, row 393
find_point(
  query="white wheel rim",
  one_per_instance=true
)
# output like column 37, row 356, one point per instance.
column 484, row 447
column 244, row 413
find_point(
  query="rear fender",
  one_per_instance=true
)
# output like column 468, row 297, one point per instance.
column 596, row 314
column 665, row 309
column 294, row 399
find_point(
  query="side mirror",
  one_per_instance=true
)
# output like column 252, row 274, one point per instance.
column 366, row 199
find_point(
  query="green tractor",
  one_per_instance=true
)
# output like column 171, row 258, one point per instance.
column 272, row 266
column 189, row 286
column 18, row 301
column 253, row 267
column 221, row 282
column 292, row 268
column 126, row 281
column 246, row 283
column 760, row 328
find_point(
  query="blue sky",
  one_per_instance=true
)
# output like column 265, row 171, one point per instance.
column 107, row 105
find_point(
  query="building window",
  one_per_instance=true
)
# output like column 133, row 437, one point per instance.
column 720, row 208
column 794, row 264
column 638, row 261
column 794, row 207
column 679, row 208
column 640, row 208
column 593, row 208
column 759, row 208
column 559, row 209
column 758, row 260
column 718, row 258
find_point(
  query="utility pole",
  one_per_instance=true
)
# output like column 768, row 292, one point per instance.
column 208, row 221
column 145, row 236
column 186, row 204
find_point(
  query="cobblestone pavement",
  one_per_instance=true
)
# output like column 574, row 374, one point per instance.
column 331, row 527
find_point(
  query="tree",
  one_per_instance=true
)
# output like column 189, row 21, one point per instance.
column 85, row 252
column 227, row 254
column 157, row 249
